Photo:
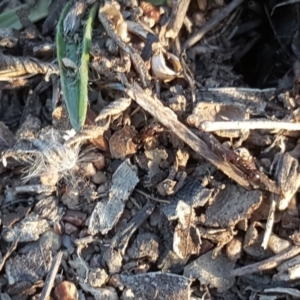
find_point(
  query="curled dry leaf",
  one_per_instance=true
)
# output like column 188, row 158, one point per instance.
column 114, row 108
column 121, row 143
column 115, row 16
column 138, row 29
column 160, row 69
column 151, row 11
column 288, row 178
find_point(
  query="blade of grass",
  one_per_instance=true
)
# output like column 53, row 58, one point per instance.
column 68, row 85
column 75, row 88
column 39, row 11
column 84, row 68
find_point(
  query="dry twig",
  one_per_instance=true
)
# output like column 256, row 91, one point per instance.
column 51, row 276
column 209, row 126
column 270, row 222
column 198, row 35
column 168, row 118
column 177, row 17
column 267, row 264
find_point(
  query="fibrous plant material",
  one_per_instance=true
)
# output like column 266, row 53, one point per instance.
column 49, row 158
column 75, row 80
column 13, row 68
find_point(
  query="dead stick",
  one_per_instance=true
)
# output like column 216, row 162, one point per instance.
column 198, row 35
column 169, row 119
column 267, row 264
column 176, row 19
column 12, row 248
column 51, row 276
column 270, row 223
column 209, row 126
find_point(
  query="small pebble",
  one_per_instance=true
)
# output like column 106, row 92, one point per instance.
column 66, row 291
column 75, row 217
column 99, row 162
column 97, row 277
column 69, row 228
column 66, row 241
column 99, row 177
column 51, row 237
column 234, row 249
column 277, row 244
column 88, row 169
column 58, row 228
column 155, row 218
column 103, row 188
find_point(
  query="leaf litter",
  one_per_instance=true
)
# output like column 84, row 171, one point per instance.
column 181, row 183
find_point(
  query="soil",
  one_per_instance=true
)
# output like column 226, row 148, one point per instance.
column 182, row 180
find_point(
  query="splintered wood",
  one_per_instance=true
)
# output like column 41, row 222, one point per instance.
column 169, row 119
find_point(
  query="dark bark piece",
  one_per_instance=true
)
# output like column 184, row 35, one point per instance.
column 121, row 239
column 193, row 194
column 215, row 273
column 146, row 245
column 114, row 254
column 31, row 267
column 7, row 138
column 232, row 205
column 107, row 212
column 157, row 286
column 53, row 17
column 23, row 288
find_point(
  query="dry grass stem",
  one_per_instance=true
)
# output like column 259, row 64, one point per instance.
column 209, row 126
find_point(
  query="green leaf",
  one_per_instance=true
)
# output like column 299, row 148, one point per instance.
column 75, row 86
column 39, row 11
column 84, row 67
